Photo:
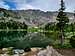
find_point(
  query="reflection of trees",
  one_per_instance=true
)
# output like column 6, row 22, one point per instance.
column 8, row 39
column 21, row 39
column 37, row 40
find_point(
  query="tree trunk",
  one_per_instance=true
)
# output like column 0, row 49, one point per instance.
column 72, row 29
column 62, row 38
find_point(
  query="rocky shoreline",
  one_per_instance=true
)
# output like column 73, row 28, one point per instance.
column 49, row 51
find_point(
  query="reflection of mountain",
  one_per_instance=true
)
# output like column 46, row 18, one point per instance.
column 22, row 40
column 34, row 17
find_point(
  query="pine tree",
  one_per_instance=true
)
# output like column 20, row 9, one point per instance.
column 62, row 20
column 72, row 24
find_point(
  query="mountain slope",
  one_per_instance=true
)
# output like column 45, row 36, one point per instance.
column 35, row 17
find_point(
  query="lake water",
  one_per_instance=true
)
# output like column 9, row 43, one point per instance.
column 22, row 39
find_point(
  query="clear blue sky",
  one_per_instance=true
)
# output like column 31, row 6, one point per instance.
column 45, row 5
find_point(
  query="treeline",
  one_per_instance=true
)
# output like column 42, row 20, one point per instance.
column 53, row 27
column 13, row 25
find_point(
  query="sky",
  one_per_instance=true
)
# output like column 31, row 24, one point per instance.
column 44, row 5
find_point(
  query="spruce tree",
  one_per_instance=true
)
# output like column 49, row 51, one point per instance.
column 72, row 24
column 62, row 21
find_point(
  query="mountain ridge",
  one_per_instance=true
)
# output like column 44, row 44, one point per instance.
column 35, row 17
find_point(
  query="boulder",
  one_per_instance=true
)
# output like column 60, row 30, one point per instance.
column 49, row 51
column 35, row 49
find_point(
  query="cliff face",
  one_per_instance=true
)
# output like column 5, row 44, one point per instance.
column 34, row 17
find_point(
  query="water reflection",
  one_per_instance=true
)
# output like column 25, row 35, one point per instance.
column 22, row 39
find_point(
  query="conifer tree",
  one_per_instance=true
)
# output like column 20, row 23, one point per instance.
column 62, row 21
column 72, row 24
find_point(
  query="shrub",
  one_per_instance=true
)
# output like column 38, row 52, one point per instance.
column 72, row 41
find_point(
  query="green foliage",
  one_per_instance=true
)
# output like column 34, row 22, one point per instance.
column 13, row 25
column 50, row 26
column 53, row 35
column 10, row 51
column 62, row 21
column 62, row 18
column 72, row 41
column 64, row 46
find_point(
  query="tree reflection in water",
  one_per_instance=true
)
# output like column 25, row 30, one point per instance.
column 22, row 39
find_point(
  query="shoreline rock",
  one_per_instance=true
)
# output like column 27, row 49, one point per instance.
column 49, row 51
